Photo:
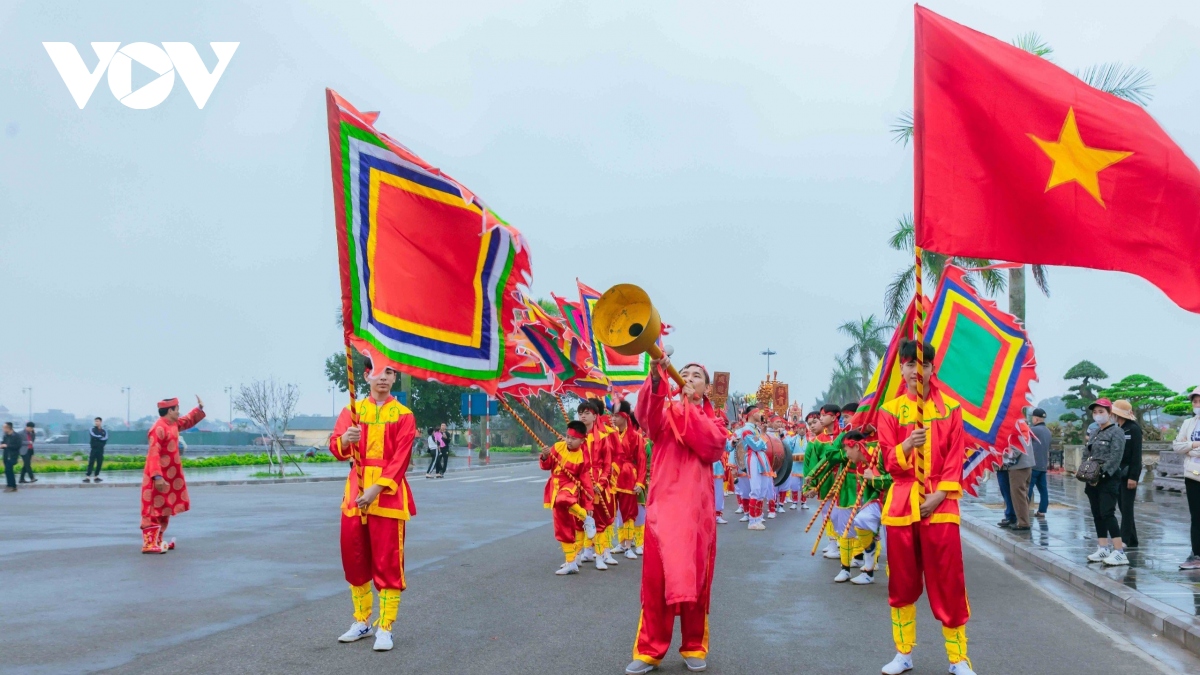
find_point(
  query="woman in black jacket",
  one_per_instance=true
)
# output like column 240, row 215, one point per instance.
column 1131, row 469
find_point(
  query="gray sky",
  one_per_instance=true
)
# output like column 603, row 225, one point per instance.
column 179, row 250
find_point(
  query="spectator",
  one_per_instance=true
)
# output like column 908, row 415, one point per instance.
column 1010, row 516
column 1188, row 443
column 11, row 444
column 443, row 457
column 27, row 454
column 1131, row 470
column 1106, row 446
column 1041, row 459
column 1018, row 488
column 431, row 446
column 98, row 436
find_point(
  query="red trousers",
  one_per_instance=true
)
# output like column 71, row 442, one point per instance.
column 657, row 621
column 373, row 551
column 604, row 510
column 155, row 521
column 627, row 504
column 565, row 524
column 931, row 552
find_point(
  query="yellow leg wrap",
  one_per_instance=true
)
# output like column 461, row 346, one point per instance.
column 610, row 536
column 829, row 531
column 578, row 511
column 569, row 551
column 364, row 603
column 639, row 535
column 846, row 548
column 864, row 539
column 601, row 542
column 956, row 644
column 904, row 628
column 389, row 605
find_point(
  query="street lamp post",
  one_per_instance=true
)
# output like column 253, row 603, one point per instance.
column 332, row 403
column 126, row 391
column 229, row 394
column 29, row 390
column 768, row 353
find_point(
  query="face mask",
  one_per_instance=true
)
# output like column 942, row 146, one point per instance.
column 1100, row 418
column 1196, row 409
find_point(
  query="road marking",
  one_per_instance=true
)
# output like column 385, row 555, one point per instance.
column 511, row 480
column 477, row 480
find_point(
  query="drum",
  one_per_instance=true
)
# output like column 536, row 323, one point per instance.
column 781, row 460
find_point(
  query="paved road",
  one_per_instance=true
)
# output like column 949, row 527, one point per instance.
column 255, row 587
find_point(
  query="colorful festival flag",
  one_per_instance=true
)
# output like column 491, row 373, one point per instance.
column 1017, row 159
column 404, row 225
column 983, row 360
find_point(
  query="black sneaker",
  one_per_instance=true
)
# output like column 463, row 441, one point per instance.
column 1005, row 523
column 1019, row 528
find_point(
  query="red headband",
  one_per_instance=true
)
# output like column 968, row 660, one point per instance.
column 169, row 403
column 572, row 433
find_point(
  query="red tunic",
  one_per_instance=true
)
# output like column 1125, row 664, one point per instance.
column 162, row 459
column 569, row 482
column 679, row 508
column 937, row 466
column 382, row 454
column 630, row 457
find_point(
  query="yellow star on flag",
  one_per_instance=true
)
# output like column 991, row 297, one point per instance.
column 1074, row 161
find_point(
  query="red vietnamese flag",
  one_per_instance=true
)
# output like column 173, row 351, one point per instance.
column 1018, row 160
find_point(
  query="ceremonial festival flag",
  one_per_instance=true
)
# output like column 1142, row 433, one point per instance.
column 983, row 359
column 623, row 372
column 1017, row 159
column 429, row 274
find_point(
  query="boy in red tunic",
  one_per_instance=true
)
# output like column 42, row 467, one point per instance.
column 924, row 446
column 164, row 489
column 630, row 460
column 681, row 534
column 377, row 504
column 598, row 453
column 569, row 493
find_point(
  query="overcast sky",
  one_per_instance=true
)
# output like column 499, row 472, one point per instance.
column 178, row 250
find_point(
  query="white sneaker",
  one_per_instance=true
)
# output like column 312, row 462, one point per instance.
column 589, row 527
column 757, row 525
column 871, row 563
column 616, row 549
column 842, row 576
column 831, row 546
column 567, row 568
column 771, row 514
column 1116, row 559
column 743, row 519
column 383, row 641
column 863, row 579
column 609, row 559
column 804, row 506
column 600, row 565
column 630, row 554
column 358, row 631
column 792, row 506
column 638, row 550
column 856, row 563
column 961, row 668
column 740, row 510
column 831, row 553
column 721, row 521
column 586, row 555
column 902, row 663
column 1101, row 553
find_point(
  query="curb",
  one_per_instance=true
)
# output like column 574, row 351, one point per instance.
column 1174, row 624
column 258, row 481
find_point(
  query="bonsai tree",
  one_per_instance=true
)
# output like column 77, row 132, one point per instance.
column 1083, row 394
column 1181, row 405
column 1145, row 394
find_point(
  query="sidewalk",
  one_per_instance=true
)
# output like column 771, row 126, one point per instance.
column 1152, row 587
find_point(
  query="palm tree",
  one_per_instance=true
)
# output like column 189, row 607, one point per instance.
column 869, row 337
column 844, row 382
column 901, row 289
column 1123, row 81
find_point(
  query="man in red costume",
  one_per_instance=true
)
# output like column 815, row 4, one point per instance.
column 569, row 493
column 924, row 448
column 377, row 503
column 164, row 489
column 630, row 458
column 681, row 534
column 598, row 453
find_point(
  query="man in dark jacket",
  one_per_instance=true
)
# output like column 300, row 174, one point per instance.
column 1040, row 447
column 27, row 454
column 1131, row 468
column 98, row 436
column 11, row 444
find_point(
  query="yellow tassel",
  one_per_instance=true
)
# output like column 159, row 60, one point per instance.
column 904, row 628
column 956, row 644
column 389, row 606
column 363, row 602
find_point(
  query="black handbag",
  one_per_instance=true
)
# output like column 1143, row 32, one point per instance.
column 1088, row 471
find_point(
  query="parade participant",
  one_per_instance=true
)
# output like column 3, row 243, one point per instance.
column 639, row 538
column 378, row 438
column 598, row 453
column 681, row 538
column 720, row 469
column 759, row 481
column 164, row 489
column 569, row 494
column 848, row 412
column 773, row 436
column 741, row 484
column 827, row 429
column 924, row 447
column 848, row 455
column 630, row 459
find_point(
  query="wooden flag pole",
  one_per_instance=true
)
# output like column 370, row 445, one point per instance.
column 358, row 466
column 539, row 418
column 919, row 334
column 519, row 420
column 562, row 408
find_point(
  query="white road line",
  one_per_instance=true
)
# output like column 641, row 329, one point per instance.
column 511, row 480
column 478, row 480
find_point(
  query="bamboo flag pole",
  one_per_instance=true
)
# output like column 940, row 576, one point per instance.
column 833, row 492
column 539, row 418
column 919, row 334
column 358, row 466
column 519, row 420
column 858, row 497
column 829, row 497
column 562, row 408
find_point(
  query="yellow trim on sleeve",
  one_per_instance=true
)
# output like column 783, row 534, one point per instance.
column 389, row 486
column 952, row 489
column 900, row 459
